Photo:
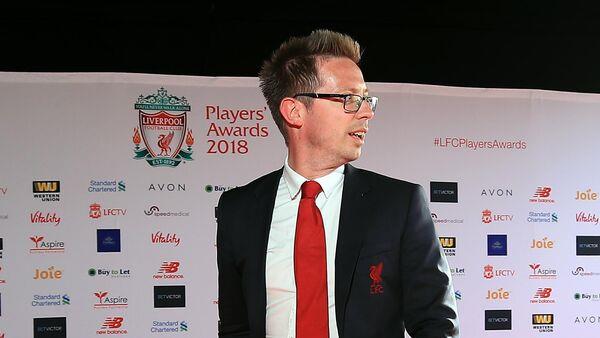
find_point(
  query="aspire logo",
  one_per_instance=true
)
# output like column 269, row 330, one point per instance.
column 42, row 246
column 103, row 301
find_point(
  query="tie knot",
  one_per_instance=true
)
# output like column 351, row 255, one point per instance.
column 310, row 189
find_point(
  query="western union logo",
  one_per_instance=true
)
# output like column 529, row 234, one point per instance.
column 448, row 242
column 545, row 318
column 46, row 186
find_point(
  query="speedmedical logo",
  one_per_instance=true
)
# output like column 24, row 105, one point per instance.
column 47, row 191
column 156, row 212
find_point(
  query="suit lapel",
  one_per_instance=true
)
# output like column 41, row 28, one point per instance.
column 265, row 202
column 350, row 234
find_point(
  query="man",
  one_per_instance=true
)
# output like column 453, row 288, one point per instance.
column 319, row 248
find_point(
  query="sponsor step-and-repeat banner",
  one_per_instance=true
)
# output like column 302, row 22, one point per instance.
column 109, row 183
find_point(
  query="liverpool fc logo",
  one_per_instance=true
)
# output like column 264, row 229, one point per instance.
column 163, row 129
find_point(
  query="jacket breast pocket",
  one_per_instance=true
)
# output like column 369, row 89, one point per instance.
column 373, row 250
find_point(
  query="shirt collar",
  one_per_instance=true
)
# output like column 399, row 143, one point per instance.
column 328, row 182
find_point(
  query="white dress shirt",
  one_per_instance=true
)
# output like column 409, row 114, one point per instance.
column 279, row 273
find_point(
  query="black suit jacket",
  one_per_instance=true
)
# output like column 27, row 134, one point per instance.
column 384, row 223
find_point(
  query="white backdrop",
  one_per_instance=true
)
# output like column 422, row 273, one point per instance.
column 519, row 154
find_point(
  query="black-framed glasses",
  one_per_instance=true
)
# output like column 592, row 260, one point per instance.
column 352, row 102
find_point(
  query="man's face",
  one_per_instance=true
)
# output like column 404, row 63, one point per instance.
column 331, row 135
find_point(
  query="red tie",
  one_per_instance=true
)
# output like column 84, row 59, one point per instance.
column 310, row 267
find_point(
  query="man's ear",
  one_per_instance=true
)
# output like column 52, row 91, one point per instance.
column 292, row 111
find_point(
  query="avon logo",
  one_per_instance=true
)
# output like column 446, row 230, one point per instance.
column 375, row 275
column 168, row 238
column 40, row 218
column 582, row 217
column 2, row 193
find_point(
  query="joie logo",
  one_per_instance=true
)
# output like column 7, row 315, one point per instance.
column 544, row 243
column 499, row 294
column 537, row 272
column 104, row 301
column 96, row 211
column 588, row 245
column 51, row 273
column 498, row 320
column 542, row 195
column 112, row 326
column 47, row 191
column 41, row 246
column 444, row 192
column 168, row 270
column 50, row 327
column 497, row 245
column 169, row 296
column 587, row 195
column 449, row 245
column 543, row 322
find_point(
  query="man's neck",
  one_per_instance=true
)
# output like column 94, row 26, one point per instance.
column 310, row 167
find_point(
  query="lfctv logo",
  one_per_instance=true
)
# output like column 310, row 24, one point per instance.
column 488, row 217
column 96, row 211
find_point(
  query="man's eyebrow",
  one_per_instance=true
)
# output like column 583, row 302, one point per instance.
column 365, row 91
